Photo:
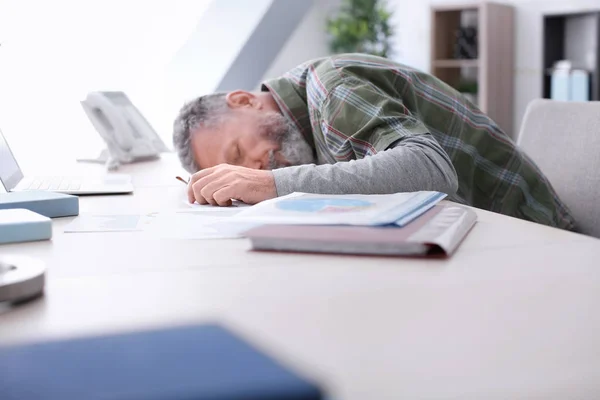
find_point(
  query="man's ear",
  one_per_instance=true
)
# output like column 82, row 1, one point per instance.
column 241, row 98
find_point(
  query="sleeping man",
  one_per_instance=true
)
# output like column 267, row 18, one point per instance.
column 357, row 124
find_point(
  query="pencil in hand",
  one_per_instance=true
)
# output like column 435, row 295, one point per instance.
column 182, row 180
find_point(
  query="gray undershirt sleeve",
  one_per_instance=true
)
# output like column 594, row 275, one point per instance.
column 414, row 163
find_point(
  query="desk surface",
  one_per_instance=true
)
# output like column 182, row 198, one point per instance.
column 513, row 314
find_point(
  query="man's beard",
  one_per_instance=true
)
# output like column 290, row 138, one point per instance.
column 293, row 149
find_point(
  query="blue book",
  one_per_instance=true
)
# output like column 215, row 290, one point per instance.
column 46, row 203
column 184, row 363
column 20, row 225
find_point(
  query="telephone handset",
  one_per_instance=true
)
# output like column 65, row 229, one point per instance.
column 127, row 134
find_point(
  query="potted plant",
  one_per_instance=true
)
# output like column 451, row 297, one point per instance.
column 361, row 26
column 469, row 89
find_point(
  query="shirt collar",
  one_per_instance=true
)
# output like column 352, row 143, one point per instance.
column 291, row 103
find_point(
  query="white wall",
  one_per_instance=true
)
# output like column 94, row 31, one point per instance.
column 413, row 27
column 308, row 41
column 265, row 43
column 51, row 57
column 208, row 52
column 160, row 52
column 54, row 52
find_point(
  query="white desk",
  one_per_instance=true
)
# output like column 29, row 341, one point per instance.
column 515, row 313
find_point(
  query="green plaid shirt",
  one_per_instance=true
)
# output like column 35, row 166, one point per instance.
column 351, row 106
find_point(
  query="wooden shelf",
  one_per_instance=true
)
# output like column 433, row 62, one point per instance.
column 493, row 69
column 456, row 63
column 454, row 7
column 561, row 41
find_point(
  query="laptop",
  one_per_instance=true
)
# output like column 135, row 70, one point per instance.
column 13, row 179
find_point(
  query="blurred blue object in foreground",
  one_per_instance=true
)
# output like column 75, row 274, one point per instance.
column 192, row 363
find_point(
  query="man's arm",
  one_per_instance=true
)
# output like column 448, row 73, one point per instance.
column 393, row 151
column 414, row 163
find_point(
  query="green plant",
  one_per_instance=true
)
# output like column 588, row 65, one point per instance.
column 361, row 26
column 467, row 86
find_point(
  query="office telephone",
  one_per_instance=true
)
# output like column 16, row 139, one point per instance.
column 127, row 134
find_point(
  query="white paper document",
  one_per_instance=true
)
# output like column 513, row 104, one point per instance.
column 108, row 223
column 178, row 224
column 317, row 209
column 211, row 222
column 196, row 225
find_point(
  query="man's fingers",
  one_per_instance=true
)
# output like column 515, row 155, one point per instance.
column 190, row 192
column 218, row 185
column 219, row 169
column 223, row 196
column 197, row 195
column 201, row 174
column 207, row 190
column 207, row 174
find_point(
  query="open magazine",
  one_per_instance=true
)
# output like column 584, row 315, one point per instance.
column 320, row 209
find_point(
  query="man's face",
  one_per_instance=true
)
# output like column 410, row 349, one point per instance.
column 252, row 138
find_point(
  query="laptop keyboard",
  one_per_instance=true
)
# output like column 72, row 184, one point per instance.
column 54, row 183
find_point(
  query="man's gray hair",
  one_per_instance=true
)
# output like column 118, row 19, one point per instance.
column 205, row 111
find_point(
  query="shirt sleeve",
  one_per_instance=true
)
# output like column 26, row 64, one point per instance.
column 359, row 118
column 413, row 164
column 393, row 150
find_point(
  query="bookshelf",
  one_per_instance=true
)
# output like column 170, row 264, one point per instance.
column 574, row 37
column 450, row 63
column 486, row 72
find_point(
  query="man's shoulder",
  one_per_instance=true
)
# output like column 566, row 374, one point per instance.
column 355, row 64
column 357, row 68
column 314, row 80
column 326, row 73
column 364, row 60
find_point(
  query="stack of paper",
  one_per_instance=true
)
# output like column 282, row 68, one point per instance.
column 196, row 222
column 318, row 209
column 396, row 224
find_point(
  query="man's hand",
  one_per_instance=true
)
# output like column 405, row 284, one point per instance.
column 218, row 185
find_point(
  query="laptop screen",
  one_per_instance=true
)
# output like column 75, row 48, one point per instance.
column 10, row 173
